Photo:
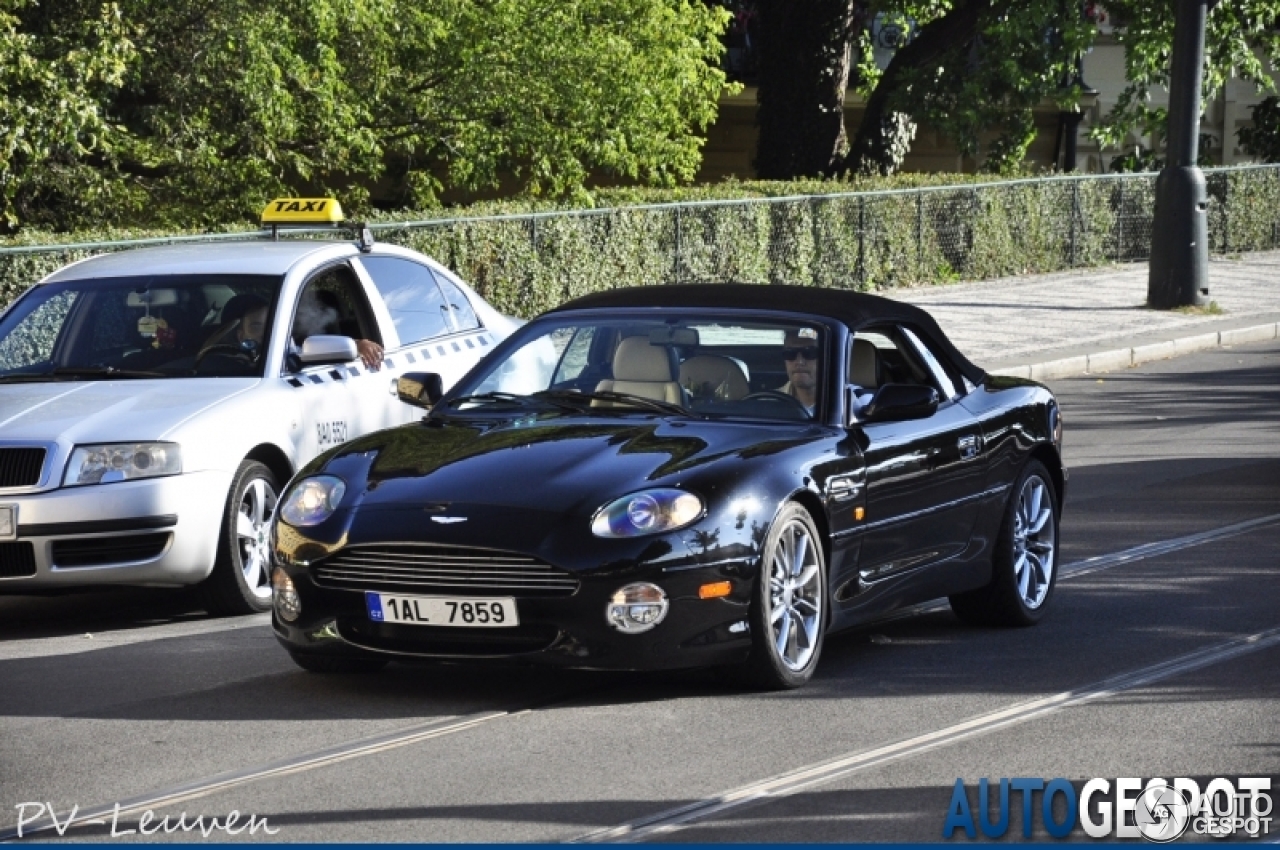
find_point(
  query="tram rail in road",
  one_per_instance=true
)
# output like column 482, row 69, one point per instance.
column 766, row 789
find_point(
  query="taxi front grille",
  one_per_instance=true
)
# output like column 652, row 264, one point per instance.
column 20, row 467
column 429, row 568
column 100, row 551
column 17, row 559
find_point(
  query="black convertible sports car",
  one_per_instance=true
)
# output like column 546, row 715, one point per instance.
column 666, row 477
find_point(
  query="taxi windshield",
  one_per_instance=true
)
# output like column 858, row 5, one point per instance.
column 153, row 326
column 705, row 365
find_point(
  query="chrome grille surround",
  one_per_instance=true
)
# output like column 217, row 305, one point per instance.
column 438, row 569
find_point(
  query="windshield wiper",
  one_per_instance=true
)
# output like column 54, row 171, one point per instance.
column 616, row 398
column 74, row 372
column 102, row 372
column 510, row 398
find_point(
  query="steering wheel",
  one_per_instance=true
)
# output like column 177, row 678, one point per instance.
column 775, row 396
column 227, row 349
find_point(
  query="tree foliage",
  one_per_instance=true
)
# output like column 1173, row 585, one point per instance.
column 976, row 69
column 197, row 111
column 1263, row 138
column 1242, row 39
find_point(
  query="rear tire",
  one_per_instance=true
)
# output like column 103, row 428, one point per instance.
column 241, row 579
column 1025, row 564
column 789, row 607
column 327, row 664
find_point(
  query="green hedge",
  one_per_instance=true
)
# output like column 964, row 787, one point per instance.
column 526, row 257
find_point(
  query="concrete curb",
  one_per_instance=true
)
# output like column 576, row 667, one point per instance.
column 1123, row 358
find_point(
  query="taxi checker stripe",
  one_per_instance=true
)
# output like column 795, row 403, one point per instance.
column 335, row 376
column 671, row 820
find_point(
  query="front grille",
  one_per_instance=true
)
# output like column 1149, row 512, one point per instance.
column 429, row 568
column 100, row 551
column 17, row 559
column 445, row 641
column 20, row 467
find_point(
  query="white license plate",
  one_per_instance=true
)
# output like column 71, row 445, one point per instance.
column 469, row 612
column 8, row 522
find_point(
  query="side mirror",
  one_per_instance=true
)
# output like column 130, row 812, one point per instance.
column 900, row 402
column 421, row 389
column 324, row 350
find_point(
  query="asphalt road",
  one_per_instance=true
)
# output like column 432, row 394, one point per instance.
column 1164, row 661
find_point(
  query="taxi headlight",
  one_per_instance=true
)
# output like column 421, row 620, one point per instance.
column 312, row 500
column 646, row 512
column 102, row 464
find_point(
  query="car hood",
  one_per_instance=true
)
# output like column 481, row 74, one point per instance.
column 88, row 411
column 551, row 466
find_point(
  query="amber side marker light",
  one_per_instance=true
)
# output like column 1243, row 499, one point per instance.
column 859, row 513
column 715, row 590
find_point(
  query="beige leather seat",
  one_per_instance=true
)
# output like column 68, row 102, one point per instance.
column 642, row 369
column 864, row 365
column 711, row 376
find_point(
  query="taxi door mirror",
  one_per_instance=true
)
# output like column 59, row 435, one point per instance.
column 325, row 350
column 421, row 389
column 900, row 402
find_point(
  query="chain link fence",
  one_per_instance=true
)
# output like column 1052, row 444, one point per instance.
column 524, row 264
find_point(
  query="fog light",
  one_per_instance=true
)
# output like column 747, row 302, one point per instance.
column 636, row 608
column 286, row 600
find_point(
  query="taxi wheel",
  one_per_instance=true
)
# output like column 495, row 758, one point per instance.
column 1025, row 563
column 241, row 579
column 789, row 611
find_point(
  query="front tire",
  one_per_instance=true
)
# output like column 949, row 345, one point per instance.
column 789, row 608
column 241, row 579
column 1025, row 564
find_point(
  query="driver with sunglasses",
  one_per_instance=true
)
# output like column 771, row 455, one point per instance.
column 800, row 356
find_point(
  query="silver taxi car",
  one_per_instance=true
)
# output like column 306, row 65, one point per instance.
column 154, row 402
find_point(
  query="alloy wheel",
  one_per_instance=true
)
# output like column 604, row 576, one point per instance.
column 253, row 535
column 795, row 596
column 1034, row 542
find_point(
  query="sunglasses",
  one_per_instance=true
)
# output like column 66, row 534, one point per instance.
column 808, row 352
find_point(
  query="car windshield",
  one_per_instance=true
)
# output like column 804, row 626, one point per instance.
column 154, row 326
column 699, row 364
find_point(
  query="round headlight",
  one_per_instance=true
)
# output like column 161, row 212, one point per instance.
column 647, row 512
column 312, row 500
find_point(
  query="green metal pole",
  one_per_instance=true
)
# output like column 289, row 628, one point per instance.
column 1178, row 273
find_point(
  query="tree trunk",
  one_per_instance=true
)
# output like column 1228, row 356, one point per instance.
column 804, row 50
column 885, row 135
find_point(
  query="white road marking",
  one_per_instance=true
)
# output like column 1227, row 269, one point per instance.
column 69, row 644
column 664, row 823
column 295, row 764
column 1115, row 559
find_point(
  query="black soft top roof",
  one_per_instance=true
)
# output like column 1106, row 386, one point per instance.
column 854, row 309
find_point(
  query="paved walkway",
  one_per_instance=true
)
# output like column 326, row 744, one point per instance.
column 1054, row 325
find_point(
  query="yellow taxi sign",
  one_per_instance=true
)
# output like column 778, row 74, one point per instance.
column 303, row 211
